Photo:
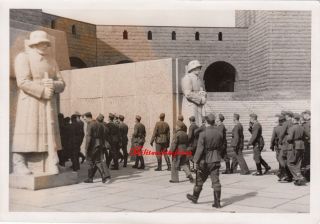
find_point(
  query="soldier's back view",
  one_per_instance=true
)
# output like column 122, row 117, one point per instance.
column 161, row 135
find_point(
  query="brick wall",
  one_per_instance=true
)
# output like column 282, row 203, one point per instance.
column 29, row 16
column 112, row 48
column 290, row 51
column 245, row 18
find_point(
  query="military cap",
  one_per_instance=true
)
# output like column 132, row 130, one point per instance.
column 121, row 117
column 77, row 113
column 211, row 118
column 116, row 115
column 88, row 114
column 162, row 115
column 73, row 116
column 138, row 117
column 296, row 116
column 281, row 118
column 283, row 112
column 221, row 117
column 307, row 112
column 100, row 118
column 290, row 114
column 192, row 119
column 254, row 116
column 236, row 116
column 111, row 115
column 180, row 117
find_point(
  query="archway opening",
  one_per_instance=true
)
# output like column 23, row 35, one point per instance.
column 220, row 77
column 77, row 63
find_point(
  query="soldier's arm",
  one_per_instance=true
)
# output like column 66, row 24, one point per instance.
column 199, row 150
column 24, row 77
column 283, row 132
column 174, row 143
column 255, row 130
column 168, row 134
column 58, row 82
column 236, row 137
column 135, row 131
column 190, row 133
column 155, row 133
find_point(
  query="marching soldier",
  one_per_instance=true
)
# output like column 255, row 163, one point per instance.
column 94, row 148
column 306, row 157
column 179, row 152
column 113, row 138
column 161, row 135
column 274, row 146
column 192, row 145
column 138, row 140
column 124, row 139
column 257, row 142
column 295, row 139
column 76, row 143
column 237, row 143
column 81, row 134
column 284, row 144
column 207, row 159
column 62, row 153
column 224, row 154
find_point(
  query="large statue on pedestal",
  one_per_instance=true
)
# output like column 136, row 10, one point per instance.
column 194, row 96
column 36, row 127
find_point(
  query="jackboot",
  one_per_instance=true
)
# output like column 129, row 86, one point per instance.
column 159, row 168
column 259, row 172
column 125, row 161
column 228, row 169
column 216, row 196
column 196, row 193
column 168, row 162
column 91, row 173
column 265, row 165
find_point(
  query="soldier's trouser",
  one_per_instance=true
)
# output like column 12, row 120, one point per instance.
column 124, row 148
column 294, row 163
column 139, row 156
column 306, row 156
column 75, row 158
column 211, row 169
column 114, row 153
column 256, row 154
column 237, row 158
column 283, row 162
column 96, row 161
column 162, row 149
column 175, row 172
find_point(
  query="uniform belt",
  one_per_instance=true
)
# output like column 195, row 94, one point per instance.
column 212, row 149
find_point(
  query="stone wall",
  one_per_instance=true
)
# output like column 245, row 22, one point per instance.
column 112, row 48
column 142, row 88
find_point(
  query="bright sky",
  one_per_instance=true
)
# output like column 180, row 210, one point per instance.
column 197, row 18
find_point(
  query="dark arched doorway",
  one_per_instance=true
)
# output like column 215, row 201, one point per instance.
column 220, row 77
column 77, row 63
column 124, row 62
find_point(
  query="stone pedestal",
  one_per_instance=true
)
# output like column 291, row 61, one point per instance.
column 43, row 180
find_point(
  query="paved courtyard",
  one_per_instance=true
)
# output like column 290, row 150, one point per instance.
column 132, row 190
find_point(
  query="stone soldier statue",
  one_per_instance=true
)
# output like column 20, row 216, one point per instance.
column 124, row 139
column 237, row 142
column 296, row 146
column 94, row 148
column 257, row 142
column 224, row 154
column 161, row 135
column 138, row 140
column 207, row 158
column 179, row 151
column 36, row 127
column 195, row 97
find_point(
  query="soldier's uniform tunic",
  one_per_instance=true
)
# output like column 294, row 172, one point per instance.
column 284, row 146
column 224, row 154
column 113, row 138
column 138, row 140
column 123, row 128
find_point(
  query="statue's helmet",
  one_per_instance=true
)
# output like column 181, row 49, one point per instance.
column 193, row 65
column 37, row 37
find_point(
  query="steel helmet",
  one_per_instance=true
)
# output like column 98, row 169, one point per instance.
column 37, row 37
column 193, row 64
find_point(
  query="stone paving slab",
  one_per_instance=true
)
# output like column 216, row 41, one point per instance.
column 132, row 190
